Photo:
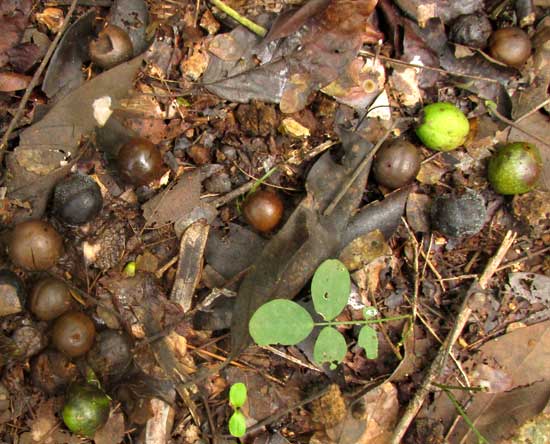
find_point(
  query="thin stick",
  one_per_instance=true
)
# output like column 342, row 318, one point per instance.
column 438, row 364
column 34, row 81
column 429, row 68
column 247, row 23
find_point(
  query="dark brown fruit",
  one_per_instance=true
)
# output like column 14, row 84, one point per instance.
column 12, row 293
column 112, row 46
column 77, row 199
column 73, row 334
column 510, row 46
column 471, row 30
column 263, row 210
column 396, row 164
column 35, row 245
column 111, row 354
column 139, row 161
column 52, row 371
column 50, row 298
column 459, row 215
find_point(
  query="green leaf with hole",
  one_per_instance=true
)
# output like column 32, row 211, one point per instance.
column 237, row 424
column 330, row 288
column 280, row 322
column 368, row 339
column 237, row 395
column 330, row 347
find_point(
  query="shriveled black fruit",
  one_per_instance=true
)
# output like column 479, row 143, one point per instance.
column 77, row 199
column 471, row 30
column 111, row 354
column 458, row 216
column 51, row 371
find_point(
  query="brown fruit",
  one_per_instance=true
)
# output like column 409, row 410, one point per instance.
column 50, row 298
column 51, row 371
column 510, row 46
column 35, row 245
column 73, row 334
column 139, row 161
column 396, row 164
column 112, row 46
column 263, row 210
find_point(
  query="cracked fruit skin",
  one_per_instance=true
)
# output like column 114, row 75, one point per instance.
column 444, row 127
column 515, row 168
column 86, row 409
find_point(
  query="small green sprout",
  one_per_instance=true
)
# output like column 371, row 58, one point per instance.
column 285, row 322
column 237, row 398
column 130, row 269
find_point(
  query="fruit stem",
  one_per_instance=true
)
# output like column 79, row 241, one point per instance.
column 247, row 23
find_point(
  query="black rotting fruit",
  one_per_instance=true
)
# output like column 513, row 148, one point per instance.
column 510, row 46
column 50, row 298
column 111, row 354
column 471, row 30
column 73, row 333
column 459, row 215
column 112, row 46
column 35, row 245
column 396, row 164
column 52, row 371
column 12, row 293
column 263, row 210
column 77, row 199
column 139, row 161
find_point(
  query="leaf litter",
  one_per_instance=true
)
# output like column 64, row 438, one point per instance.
column 322, row 64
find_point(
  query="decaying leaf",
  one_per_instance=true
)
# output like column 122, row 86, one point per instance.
column 112, row 432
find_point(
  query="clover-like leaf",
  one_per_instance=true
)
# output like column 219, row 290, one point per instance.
column 237, row 395
column 280, row 322
column 237, row 424
column 330, row 347
column 330, row 288
column 368, row 339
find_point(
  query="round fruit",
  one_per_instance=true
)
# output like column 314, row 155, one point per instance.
column 35, row 245
column 139, row 161
column 77, row 199
column 263, row 210
column 458, row 216
column 112, row 46
column 12, row 293
column 515, row 168
column 51, row 371
column 396, row 164
column 444, row 127
column 510, row 46
column 50, row 298
column 86, row 409
column 471, row 30
column 73, row 334
column 111, row 354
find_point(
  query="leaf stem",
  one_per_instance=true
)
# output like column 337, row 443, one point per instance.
column 468, row 421
column 247, row 23
column 365, row 322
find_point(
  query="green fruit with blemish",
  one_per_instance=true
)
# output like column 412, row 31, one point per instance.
column 86, row 409
column 515, row 168
column 443, row 127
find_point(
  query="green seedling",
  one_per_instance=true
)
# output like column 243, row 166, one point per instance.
column 237, row 398
column 285, row 322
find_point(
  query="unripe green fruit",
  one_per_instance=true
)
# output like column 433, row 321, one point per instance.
column 515, row 168
column 86, row 409
column 444, row 127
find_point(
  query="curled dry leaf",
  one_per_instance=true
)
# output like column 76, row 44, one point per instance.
column 12, row 81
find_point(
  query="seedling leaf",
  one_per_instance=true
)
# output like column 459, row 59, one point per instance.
column 280, row 322
column 368, row 339
column 237, row 395
column 330, row 288
column 330, row 347
column 369, row 312
column 237, row 424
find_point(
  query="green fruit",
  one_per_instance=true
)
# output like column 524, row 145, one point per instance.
column 86, row 409
column 515, row 168
column 444, row 127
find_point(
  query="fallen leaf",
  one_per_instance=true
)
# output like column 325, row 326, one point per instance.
column 533, row 287
column 112, row 432
column 12, row 81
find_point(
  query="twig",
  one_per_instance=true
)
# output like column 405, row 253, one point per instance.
column 429, row 68
column 247, row 23
column 475, row 292
column 35, row 79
